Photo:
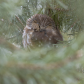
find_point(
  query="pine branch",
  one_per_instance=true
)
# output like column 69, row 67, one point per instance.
column 49, row 66
column 19, row 20
column 61, row 9
column 19, row 29
column 4, row 43
column 11, row 37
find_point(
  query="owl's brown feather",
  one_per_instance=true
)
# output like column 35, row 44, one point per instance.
column 40, row 29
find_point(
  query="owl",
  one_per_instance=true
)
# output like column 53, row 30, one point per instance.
column 40, row 30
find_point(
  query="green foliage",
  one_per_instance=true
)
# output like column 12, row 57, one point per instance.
column 60, row 65
column 56, row 64
column 9, row 8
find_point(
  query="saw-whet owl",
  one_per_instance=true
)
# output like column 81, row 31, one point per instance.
column 40, row 30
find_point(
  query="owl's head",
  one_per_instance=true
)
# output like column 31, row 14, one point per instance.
column 40, row 22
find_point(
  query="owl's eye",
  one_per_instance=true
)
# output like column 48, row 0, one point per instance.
column 49, row 24
column 34, row 29
column 39, row 27
column 56, row 27
column 35, row 21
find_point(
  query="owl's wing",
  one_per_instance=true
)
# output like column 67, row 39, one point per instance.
column 27, row 33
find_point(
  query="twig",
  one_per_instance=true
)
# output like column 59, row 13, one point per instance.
column 70, row 34
column 11, row 37
column 51, row 66
column 74, row 23
column 61, row 9
column 19, row 29
column 19, row 20
column 8, row 45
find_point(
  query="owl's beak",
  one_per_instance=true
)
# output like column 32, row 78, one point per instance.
column 42, row 29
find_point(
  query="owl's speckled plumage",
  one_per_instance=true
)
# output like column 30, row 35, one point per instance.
column 40, row 29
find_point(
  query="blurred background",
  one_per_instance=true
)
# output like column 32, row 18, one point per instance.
column 58, row 64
